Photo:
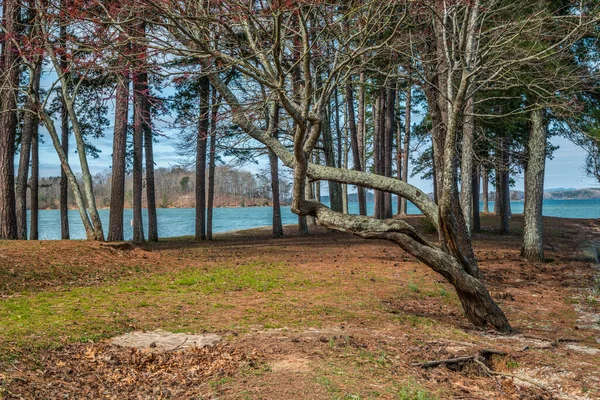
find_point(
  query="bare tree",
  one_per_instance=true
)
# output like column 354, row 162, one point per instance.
column 8, row 119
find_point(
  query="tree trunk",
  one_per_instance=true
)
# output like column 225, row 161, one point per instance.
column 466, row 166
column 8, row 122
column 378, row 132
column 117, row 185
column 504, row 186
column 309, row 194
column 533, row 244
column 87, row 224
column 485, row 179
column 203, row 122
column 64, row 181
column 64, row 129
column 475, row 198
column 30, row 127
column 498, row 187
column 405, row 146
column 361, row 138
column 149, row 154
column 388, row 146
column 354, row 143
column 138, row 145
column 214, row 109
column 274, row 164
column 479, row 307
column 34, row 186
column 335, row 189
column 302, row 225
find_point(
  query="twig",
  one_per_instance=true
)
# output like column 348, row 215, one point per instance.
column 457, row 360
column 447, row 361
column 521, row 378
column 178, row 346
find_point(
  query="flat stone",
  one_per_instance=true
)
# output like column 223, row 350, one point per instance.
column 160, row 341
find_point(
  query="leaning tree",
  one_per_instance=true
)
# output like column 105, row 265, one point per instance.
column 301, row 51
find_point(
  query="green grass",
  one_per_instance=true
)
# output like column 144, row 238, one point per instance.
column 412, row 391
column 176, row 301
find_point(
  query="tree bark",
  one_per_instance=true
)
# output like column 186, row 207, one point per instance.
column 361, row 135
column 504, row 186
column 354, row 143
column 34, row 186
column 64, row 129
column 214, row 110
column 498, row 187
column 149, row 154
column 388, row 146
column 479, row 307
column 335, row 189
column 138, row 145
column 30, row 127
column 485, row 179
column 405, row 146
column 117, row 186
column 533, row 244
column 274, row 166
column 8, row 121
column 49, row 125
column 466, row 166
column 204, row 93
column 475, row 198
column 68, row 101
column 378, row 132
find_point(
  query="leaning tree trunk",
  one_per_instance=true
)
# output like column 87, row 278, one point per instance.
column 117, row 186
column 30, row 126
column 533, row 244
column 479, row 307
column 203, row 122
column 79, row 201
column 466, row 165
column 8, row 122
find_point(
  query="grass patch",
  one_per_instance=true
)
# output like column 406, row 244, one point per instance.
column 413, row 391
column 255, row 276
column 177, row 301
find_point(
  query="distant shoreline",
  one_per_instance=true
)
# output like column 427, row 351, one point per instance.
column 287, row 205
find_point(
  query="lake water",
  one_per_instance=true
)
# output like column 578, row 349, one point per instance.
column 180, row 221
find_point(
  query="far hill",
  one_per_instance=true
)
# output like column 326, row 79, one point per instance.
column 549, row 194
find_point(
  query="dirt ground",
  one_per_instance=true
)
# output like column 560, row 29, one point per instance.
column 324, row 316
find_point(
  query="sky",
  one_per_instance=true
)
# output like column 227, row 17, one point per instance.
column 564, row 170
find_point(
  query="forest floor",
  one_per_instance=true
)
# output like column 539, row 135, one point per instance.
column 325, row 316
